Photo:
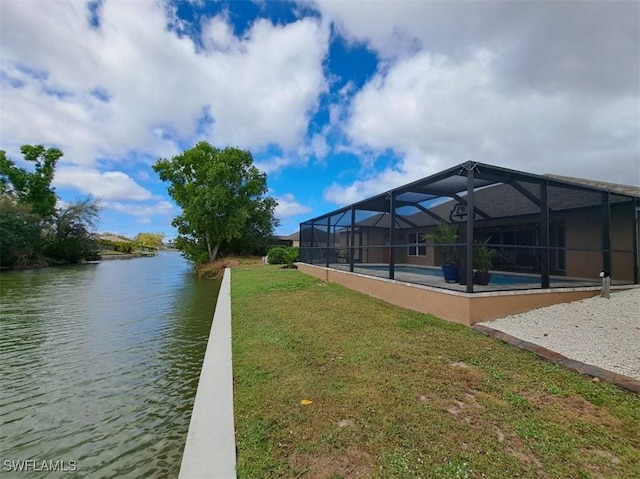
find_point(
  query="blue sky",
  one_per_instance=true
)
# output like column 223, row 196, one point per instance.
column 336, row 100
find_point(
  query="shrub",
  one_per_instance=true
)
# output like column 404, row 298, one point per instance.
column 276, row 255
column 290, row 256
column 283, row 255
column 123, row 248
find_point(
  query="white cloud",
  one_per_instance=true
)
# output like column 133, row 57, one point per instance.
column 379, row 182
column 259, row 89
column 276, row 163
column 539, row 86
column 446, row 112
column 145, row 210
column 288, row 206
column 108, row 185
column 319, row 146
column 544, row 45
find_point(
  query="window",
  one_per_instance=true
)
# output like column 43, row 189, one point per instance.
column 417, row 246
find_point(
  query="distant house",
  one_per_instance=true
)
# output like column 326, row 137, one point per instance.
column 119, row 244
column 291, row 240
column 113, row 238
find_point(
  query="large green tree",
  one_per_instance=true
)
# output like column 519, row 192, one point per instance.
column 223, row 199
column 32, row 188
column 32, row 230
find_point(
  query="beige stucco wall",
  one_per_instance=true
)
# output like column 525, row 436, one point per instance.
column 375, row 239
column 485, row 308
column 456, row 307
column 418, row 299
column 622, row 239
column 403, row 258
column 583, row 231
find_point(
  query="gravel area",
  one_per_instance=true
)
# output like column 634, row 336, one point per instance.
column 597, row 331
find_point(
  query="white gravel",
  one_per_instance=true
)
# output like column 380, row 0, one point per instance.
column 598, row 331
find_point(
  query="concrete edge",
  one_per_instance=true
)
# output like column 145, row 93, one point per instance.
column 210, row 449
column 621, row 380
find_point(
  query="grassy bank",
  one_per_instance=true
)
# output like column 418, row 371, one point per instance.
column 215, row 269
column 401, row 394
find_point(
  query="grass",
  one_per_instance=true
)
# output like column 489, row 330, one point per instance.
column 401, row 394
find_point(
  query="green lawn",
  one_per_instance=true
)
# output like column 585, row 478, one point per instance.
column 402, row 394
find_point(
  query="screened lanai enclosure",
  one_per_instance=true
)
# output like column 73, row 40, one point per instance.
column 503, row 230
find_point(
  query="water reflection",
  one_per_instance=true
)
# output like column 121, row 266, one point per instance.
column 99, row 364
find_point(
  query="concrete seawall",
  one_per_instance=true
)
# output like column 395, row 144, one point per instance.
column 210, row 450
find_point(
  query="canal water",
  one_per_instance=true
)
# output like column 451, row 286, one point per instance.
column 99, row 366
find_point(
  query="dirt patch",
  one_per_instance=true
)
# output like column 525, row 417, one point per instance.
column 345, row 423
column 456, row 408
column 353, row 463
column 468, row 404
column 460, row 364
column 603, row 468
column 574, row 408
column 517, row 451
column 612, row 458
column 216, row 269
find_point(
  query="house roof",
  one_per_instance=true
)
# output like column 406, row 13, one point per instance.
column 611, row 187
column 114, row 238
column 498, row 192
column 496, row 201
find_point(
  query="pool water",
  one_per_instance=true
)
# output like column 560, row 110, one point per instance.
column 497, row 279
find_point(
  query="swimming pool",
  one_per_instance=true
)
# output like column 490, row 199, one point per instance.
column 497, row 278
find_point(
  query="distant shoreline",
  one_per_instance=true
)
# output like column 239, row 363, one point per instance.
column 108, row 257
column 103, row 257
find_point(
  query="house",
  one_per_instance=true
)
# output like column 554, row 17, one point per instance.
column 550, row 229
column 110, row 242
column 290, row 240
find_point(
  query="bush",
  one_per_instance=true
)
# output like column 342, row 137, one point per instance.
column 283, row 255
column 276, row 255
column 125, row 248
column 291, row 256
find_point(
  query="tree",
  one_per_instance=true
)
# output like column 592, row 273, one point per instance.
column 31, row 188
column 20, row 233
column 222, row 196
column 71, row 238
column 149, row 240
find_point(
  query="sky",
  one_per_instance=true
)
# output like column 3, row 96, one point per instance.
column 336, row 100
